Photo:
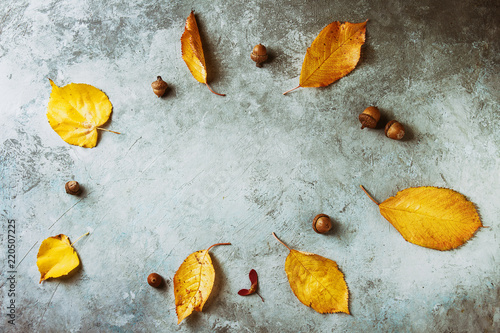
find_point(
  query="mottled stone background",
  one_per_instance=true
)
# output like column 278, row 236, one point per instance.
column 192, row 169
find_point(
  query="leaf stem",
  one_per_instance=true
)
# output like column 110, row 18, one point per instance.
column 214, row 91
column 217, row 244
column 107, row 130
column 259, row 296
column 281, row 242
column 286, row 92
column 368, row 194
column 88, row 232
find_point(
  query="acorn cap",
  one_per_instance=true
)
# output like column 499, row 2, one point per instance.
column 370, row 117
column 72, row 187
column 367, row 121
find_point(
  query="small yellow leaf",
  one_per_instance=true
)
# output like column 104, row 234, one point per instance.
column 56, row 257
column 317, row 281
column 76, row 111
column 433, row 217
column 193, row 283
column 332, row 55
column 192, row 51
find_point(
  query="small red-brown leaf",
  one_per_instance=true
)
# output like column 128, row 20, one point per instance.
column 254, row 279
column 244, row 292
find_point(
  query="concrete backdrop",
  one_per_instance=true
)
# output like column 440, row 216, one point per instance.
column 193, row 169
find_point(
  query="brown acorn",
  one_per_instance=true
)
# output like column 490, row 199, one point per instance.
column 322, row 223
column 72, row 187
column 159, row 86
column 370, row 117
column 259, row 54
column 155, row 280
column 394, row 130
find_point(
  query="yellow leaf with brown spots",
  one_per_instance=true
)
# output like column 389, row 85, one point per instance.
column 193, row 283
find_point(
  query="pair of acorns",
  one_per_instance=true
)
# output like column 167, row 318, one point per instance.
column 370, row 117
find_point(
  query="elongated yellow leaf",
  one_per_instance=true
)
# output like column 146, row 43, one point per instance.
column 56, row 257
column 317, row 281
column 192, row 51
column 437, row 218
column 76, row 111
column 333, row 54
column 193, row 283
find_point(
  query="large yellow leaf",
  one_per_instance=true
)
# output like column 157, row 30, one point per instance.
column 437, row 218
column 56, row 257
column 192, row 51
column 316, row 281
column 193, row 283
column 333, row 54
column 76, row 111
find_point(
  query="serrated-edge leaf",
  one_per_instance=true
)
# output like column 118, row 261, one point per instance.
column 320, row 286
column 432, row 217
column 193, row 283
column 333, row 54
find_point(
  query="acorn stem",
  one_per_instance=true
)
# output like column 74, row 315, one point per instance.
column 286, row 92
column 214, row 91
column 88, row 232
column 217, row 244
column 281, row 242
column 368, row 194
column 107, row 130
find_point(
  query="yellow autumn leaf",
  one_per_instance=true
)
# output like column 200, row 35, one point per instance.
column 192, row 51
column 76, row 111
column 332, row 55
column 193, row 283
column 316, row 281
column 433, row 217
column 56, row 257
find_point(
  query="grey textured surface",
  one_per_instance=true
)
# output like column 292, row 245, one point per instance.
column 192, row 169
